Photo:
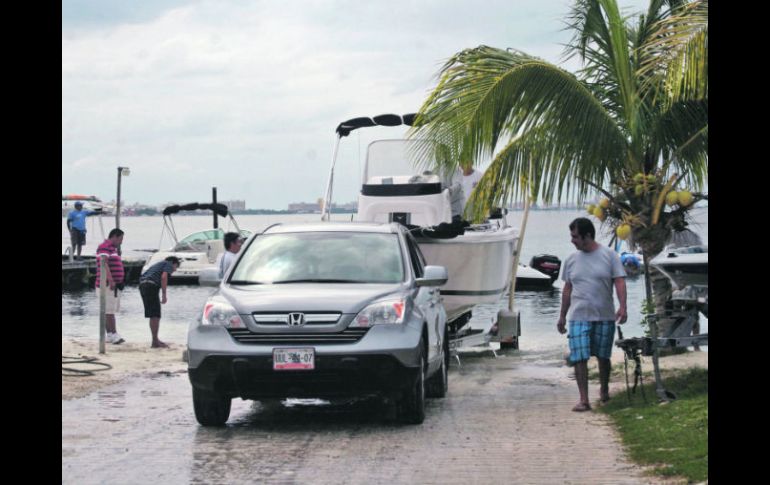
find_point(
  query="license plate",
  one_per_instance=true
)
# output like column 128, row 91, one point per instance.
column 294, row 359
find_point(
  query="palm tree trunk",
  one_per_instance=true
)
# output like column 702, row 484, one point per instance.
column 652, row 320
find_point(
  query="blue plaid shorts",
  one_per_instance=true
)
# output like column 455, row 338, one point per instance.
column 590, row 338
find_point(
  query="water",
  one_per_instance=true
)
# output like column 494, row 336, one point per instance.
column 546, row 232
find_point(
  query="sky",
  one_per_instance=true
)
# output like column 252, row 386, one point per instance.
column 245, row 95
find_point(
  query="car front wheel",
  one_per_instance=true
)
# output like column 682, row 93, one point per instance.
column 438, row 383
column 411, row 407
column 211, row 409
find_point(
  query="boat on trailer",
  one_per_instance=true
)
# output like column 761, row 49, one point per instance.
column 684, row 266
column 478, row 257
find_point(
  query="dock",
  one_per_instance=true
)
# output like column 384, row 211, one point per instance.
column 80, row 273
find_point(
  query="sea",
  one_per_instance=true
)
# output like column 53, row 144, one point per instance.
column 547, row 232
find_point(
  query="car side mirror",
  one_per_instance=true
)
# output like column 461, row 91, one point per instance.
column 433, row 276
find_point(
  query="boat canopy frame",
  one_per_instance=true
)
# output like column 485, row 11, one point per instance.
column 344, row 129
column 168, row 223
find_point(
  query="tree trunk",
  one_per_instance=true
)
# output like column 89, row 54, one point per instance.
column 661, row 292
column 652, row 321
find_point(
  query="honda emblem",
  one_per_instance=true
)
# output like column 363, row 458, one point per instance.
column 296, row 319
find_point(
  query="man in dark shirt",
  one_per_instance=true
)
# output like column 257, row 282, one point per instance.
column 151, row 283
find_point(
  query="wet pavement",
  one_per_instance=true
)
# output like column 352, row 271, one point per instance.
column 505, row 420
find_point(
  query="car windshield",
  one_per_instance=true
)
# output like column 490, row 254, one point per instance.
column 321, row 257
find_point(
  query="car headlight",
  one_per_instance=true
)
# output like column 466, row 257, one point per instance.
column 381, row 312
column 222, row 314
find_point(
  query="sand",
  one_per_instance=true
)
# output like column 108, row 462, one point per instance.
column 133, row 359
column 127, row 360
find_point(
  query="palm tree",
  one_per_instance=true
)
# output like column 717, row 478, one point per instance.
column 631, row 124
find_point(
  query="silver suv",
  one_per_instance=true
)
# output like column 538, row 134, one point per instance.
column 322, row 310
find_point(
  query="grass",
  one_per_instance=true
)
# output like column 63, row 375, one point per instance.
column 671, row 437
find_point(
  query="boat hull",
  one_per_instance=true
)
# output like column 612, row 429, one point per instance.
column 684, row 267
column 478, row 263
column 188, row 272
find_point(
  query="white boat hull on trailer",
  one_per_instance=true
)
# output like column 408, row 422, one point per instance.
column 684, row 266
column 478, row 263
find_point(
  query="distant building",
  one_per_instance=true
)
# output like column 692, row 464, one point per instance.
column 234, row 205
column 305, row 207
column 315, row 207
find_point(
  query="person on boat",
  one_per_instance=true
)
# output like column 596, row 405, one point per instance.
column 151, row 283
column 233, row 243
column 470, row 179
column 115, row 276
column 76, row 223
column 589, row 275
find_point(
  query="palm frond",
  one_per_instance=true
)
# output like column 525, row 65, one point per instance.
column 676, row 55
column 486, row 95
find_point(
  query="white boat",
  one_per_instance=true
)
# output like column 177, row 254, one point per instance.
column 199, row 251
column 529, row 279
column 90, row 202
column 684, row 266
column 478, row 257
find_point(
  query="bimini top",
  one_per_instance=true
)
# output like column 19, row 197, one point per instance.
column 220, row 209
column 344, row 128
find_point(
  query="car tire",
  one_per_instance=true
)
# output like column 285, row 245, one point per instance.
column 438, row 383
column 211, row 408
column 411, row 407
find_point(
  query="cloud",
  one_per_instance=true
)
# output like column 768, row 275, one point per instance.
column 241, row 93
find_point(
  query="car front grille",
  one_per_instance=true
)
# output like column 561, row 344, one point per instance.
column 308, row 318
column 347, row 336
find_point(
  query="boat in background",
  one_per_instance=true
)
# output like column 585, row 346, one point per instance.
column 684, row 266
column 199, row 251
column 540, row 275
column 632, row 261
column 90, row 202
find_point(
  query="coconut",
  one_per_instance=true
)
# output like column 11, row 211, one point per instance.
column 599, row 213
column 639, row 190
column 639, row 178
column 590, row 208
column 623, row 231
column 604, row 203
column 672, row 198
column 651, row 179
column 685, row 198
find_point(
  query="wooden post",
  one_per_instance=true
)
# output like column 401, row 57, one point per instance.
column 518, row 253
column 102, row 261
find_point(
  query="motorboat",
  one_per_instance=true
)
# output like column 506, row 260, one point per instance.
column 632, row 260
column 530, row 279
column 684, row 266
column 478, row 257
column 199, row 251
column 90, row 202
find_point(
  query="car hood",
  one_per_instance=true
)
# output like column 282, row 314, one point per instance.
column 307, row 297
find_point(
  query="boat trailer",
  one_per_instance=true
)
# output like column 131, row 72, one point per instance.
column 464, row 334
column 686, row 305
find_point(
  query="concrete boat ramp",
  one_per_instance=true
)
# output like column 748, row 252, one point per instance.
column 505, row 420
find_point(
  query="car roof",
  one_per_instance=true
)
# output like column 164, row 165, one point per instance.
column 371, row 227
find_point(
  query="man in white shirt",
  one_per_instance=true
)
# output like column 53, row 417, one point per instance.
column 470, row 178
column 233, row 242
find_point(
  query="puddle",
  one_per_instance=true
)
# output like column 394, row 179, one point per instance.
column 112, row 399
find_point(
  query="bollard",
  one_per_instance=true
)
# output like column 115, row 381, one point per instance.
column 102, row 301
column 509, row 329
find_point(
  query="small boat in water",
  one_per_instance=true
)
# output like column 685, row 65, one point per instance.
column 199, row 251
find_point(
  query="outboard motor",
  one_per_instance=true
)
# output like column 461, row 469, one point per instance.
column 547, row 264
